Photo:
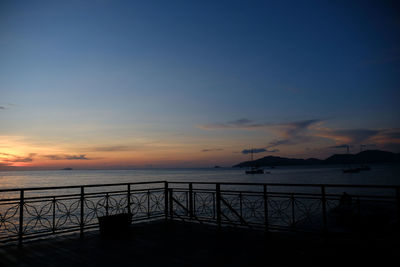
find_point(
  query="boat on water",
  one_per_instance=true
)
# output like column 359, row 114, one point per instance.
column 254, row 169
column 350, row 169
column 357, row 170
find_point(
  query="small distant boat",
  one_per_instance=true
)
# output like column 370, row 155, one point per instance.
column 255, row 169
column 67, row 169
column 350, row 169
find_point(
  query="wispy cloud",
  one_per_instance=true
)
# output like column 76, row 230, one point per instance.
column 249, row 124
column 113, row 148
column 235, row 124
column 351, row 136
column 341, row 146
column 9, row 159
column 211, row 149
column 4, row 106
column 259, row 150
column 66, row 157
column 287, row 133
column 305, row 131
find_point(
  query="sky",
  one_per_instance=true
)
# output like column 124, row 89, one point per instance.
column 132, row 84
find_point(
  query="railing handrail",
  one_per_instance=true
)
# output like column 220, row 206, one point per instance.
column 76, row 186
column 290, row 184
column 201, row 183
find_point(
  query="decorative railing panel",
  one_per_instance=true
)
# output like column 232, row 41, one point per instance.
column 35, row 212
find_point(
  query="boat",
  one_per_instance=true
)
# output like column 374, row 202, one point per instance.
column 350, row 169
column 364, row 167
column 254, row 169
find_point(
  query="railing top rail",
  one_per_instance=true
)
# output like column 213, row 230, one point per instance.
column 292, row 184
column 76, row 186
column 201, row 183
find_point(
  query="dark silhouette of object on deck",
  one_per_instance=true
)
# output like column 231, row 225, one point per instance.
column 345, row 200
column 345, row 210
column 115, row 225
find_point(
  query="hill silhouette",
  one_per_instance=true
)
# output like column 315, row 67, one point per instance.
column 367, row 156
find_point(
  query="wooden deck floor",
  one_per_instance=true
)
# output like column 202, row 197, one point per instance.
column 184, row 244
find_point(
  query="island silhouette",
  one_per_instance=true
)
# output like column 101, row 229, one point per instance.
column 364, row 157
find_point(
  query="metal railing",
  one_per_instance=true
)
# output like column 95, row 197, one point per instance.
column 300, row 207
column 27, row 213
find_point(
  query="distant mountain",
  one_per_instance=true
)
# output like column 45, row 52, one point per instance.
column 278, row 161
column 368, row 156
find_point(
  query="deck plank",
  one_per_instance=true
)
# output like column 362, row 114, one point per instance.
column 184, row 244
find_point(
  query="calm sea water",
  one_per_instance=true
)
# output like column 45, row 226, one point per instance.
column 378, row 175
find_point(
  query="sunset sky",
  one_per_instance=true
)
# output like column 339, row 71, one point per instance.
column 123, row 84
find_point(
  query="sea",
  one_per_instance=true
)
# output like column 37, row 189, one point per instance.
column 380, row 174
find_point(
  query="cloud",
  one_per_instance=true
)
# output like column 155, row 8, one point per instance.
column 74, row 157
column 113, row 148
column 311, row 130
column 66, row 157
column 4, row 106
column 258, row 150
column 211, row 149
column 53, row 157
column 341, row 146
column 293, row 133
column 9, row 159
column 235, row 124
column 248, row 124
column 349, row 136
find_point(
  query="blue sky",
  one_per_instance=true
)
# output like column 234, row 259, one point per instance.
column 161, row 77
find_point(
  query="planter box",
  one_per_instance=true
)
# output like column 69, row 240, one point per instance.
column 115, row 224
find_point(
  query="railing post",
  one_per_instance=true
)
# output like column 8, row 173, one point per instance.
column 218, row 204
column 241, row 205
column 129, row 199
column 191, row 200
column 21, row 218
column 54, row 214
column 107, row 196
column 293, row 211
column 398, row 205
column 171, row 204
column 166, row 200
column 324, row 218
column 265, row 208
column 148, row 203
column 82, row 210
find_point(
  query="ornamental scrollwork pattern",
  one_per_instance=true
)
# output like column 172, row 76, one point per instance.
column 308, row 212
column 253, row 208
column 204, row 204
column 9, row 220
column 279, row 211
